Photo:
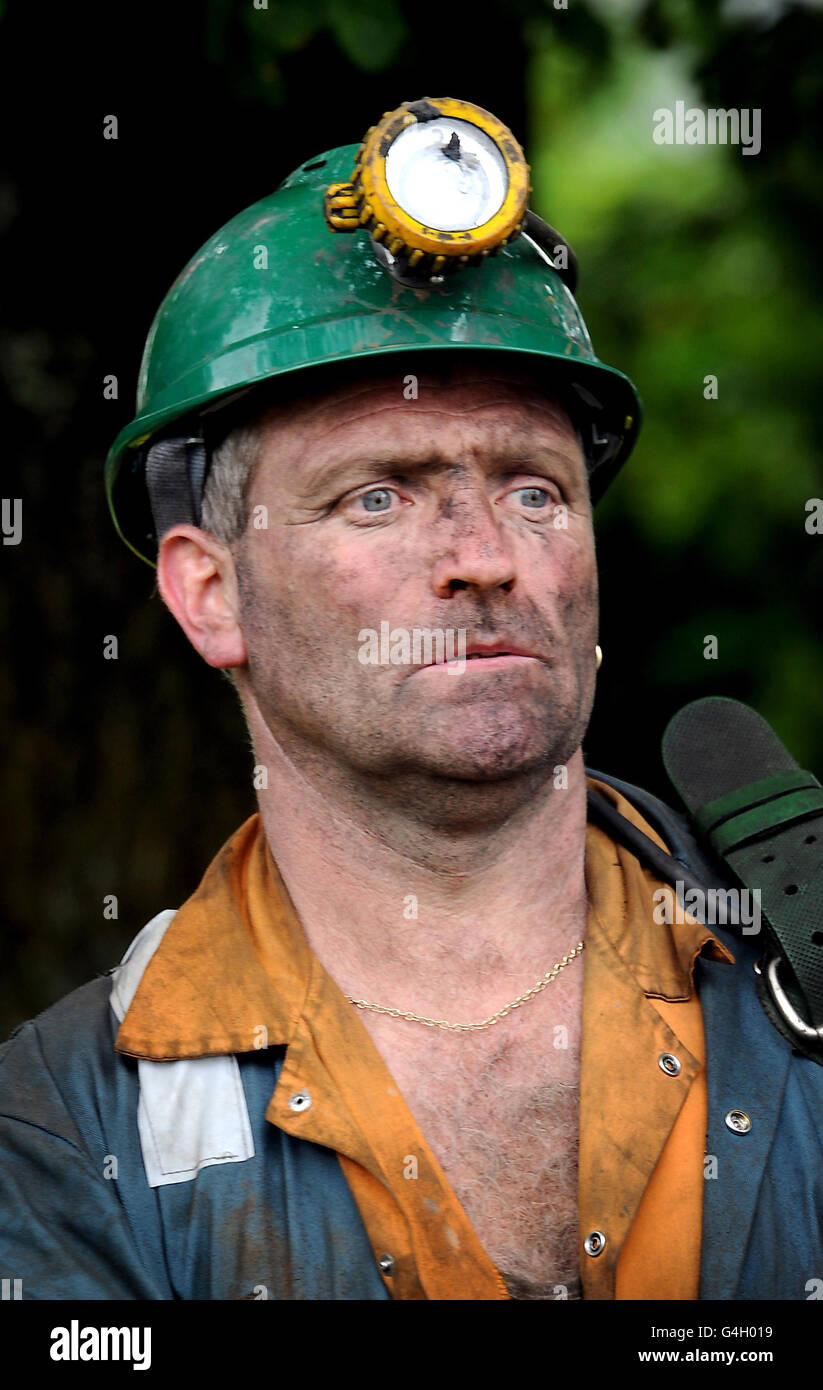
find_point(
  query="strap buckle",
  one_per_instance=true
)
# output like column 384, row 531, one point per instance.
column 785, row 1007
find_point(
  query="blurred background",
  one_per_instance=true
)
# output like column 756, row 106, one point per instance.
column 125, row 777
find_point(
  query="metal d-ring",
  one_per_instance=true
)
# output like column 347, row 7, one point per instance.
column 786, row 1008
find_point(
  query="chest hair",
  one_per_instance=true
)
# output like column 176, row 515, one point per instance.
column 501, row 1117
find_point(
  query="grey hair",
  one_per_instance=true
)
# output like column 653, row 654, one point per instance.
column 225, row 507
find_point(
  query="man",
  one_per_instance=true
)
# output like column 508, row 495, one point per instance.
column 418, row 1034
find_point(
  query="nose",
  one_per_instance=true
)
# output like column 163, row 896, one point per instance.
column 472, row 547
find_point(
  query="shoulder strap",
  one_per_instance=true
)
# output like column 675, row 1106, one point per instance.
column 694, row 863
column 762, row 815
column 686, row 861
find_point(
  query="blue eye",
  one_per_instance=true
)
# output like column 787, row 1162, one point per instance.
column 534, row 496
column 378, row 500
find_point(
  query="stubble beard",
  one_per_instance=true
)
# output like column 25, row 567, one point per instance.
column 450, row 764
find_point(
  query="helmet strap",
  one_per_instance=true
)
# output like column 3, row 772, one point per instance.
column 175, row 476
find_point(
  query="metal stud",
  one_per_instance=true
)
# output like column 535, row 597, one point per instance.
column 595, row 1243
column 738, row 1122
column 301, row 1100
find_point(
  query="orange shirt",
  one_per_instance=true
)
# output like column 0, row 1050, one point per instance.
column 234, row 972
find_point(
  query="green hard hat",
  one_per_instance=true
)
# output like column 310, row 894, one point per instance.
column 276, row 291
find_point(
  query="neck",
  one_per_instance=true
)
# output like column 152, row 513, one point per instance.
column 402, row 909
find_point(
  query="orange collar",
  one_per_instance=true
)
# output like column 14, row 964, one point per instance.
column 205, row 992
column 660, row 957
column 235, row 958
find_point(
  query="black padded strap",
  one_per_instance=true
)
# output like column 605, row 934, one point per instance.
column 763, row 816
column 175, row 476
column 702, row 869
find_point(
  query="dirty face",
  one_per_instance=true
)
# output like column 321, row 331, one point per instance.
column 465, row 507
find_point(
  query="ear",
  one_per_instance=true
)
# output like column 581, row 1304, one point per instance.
column 197, row 580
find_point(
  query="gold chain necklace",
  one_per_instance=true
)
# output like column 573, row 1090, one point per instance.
column 486, row 1022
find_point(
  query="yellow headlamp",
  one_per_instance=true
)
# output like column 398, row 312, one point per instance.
column 439, row 184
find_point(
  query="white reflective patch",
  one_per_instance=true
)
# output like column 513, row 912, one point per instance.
column 191, row 1113
column 129, row 972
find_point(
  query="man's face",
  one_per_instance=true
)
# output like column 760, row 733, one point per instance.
column 466, row 508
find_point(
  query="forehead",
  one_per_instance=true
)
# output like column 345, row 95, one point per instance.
column 490, row 396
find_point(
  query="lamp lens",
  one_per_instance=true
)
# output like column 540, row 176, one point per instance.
column 449, row 175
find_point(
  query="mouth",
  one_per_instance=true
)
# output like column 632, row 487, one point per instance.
column 479, row 651
column 485, row 656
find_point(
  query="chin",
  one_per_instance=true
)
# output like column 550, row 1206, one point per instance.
column 496, row 756
column 465, row 790
column 510, row 735
column 488, row 770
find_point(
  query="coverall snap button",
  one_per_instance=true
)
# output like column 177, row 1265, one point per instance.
column 301, row 1100
column 738, row 1122
column 386, row 1263
column 668, row 1063
column 595, row 1243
